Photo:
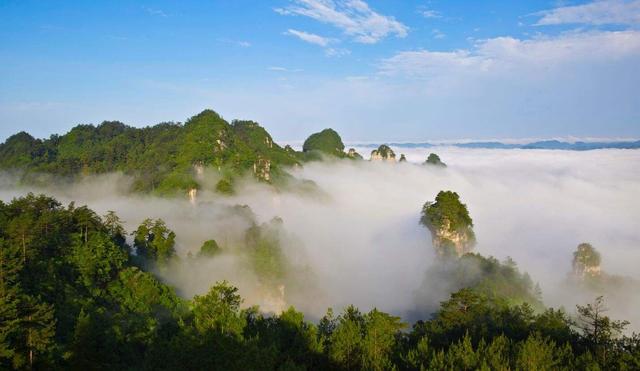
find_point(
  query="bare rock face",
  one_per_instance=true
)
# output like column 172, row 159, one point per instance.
column 450, row 225
column 192, row 194
column 383, row 153
column 586, row 262
column 444, row 239
column 402, row 158
column 262, row 169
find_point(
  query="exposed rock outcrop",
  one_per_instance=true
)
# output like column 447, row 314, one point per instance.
column 383, row 153
column 402, row 158
column 192, row 194
column 586, row 262
column 445, row 239
column 353, row 154
column 262, row 169
column 450, row 225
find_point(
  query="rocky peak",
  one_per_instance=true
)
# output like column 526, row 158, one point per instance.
column 327, row 141
column 383, row 153
column 450, row 225
column 445, row 238
column 434, row 160
column 353, row 154
column 586, row 262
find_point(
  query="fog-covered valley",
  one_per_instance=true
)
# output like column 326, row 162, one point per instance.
column 354, row 238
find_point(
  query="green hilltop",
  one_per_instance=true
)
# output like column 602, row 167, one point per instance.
column 163, row 159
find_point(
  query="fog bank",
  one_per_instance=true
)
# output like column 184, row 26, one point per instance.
column 358, row 241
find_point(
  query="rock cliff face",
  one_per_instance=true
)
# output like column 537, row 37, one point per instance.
column 586, row 262
column 450, row 225
column 383, row 153
column 192, row 194
column 444, row 239
column 262, row 169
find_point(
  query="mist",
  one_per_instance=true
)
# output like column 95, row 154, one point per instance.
column 356, row 238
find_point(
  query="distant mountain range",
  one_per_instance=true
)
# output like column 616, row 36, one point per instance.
column 544, row 144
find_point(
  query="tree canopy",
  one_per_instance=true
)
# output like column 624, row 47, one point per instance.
column 326, row 141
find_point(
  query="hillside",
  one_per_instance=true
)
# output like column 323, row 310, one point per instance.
column 163, row 159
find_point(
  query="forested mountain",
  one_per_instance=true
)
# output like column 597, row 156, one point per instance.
column 73, row 296
column 164, row 158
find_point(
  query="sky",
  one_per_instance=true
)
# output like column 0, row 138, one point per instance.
column 374, row 70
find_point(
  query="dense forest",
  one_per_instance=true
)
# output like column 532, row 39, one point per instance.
column 163, row 159
column 76, row 295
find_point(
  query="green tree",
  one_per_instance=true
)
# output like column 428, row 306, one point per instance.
column 434, row 159
column 154, row 241
column 380, row 332
column 209, row 248
column 98, row 261
column 536, row 354
column 346, row 340
column 598, row 330
column 219, row 310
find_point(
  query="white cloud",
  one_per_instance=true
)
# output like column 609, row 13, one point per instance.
column 240, row 43
column 309, row 37
column 437, row 34
column 595, row 13
column 428, row 13
column 498, row 54
column 336, row 52
column 156, row 12
column 354, row 17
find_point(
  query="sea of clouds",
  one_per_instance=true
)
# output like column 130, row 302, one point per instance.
column 357, row 238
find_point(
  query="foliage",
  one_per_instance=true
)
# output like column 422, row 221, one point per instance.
column 224, row 187
column 154, row 242
column 447, row 212
column 327, row 142
column 72, row 297
column 434, row 159
column 209, row 248
column 160, row 158
column 586, row 256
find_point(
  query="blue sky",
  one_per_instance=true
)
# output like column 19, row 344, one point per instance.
column 372, row 69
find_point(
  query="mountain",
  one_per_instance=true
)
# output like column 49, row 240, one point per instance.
column 545, row 144
column 165, row 158
column 326, row 142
